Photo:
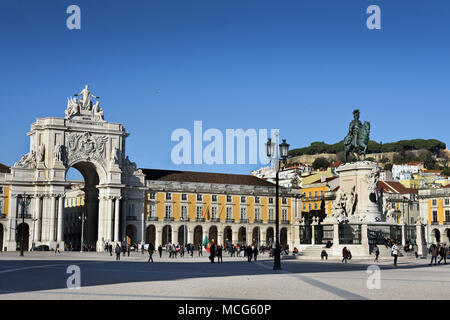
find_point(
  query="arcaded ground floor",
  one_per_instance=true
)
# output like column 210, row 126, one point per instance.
column 43, row 275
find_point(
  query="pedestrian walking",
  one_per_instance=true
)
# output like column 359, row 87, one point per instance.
column 110, row 249
column 395, row 251
column 212, row 252
column 443, row 253
column 151, row 249
column 117, row 251
column 219, row 254
column 200, row 249
column 128, row 250
column 255, row 253
column 376, row 252
column 160, row 250
column 57, row 248
column 344, row 255
column 416, row 250
column 434, row 252
column 324, row 254
column 249, row 252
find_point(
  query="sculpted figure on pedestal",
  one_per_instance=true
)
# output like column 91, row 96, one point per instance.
column 357, row 138
column 27, row 160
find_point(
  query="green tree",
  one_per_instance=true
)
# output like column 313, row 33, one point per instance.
column 320, row 163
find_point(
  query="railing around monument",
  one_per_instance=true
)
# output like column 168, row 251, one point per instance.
column 323, row 233
column 349, row 234
column 411, row 233
column 305, row 234
column 377, row 234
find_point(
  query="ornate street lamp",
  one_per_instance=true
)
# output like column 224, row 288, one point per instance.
column 270, row 148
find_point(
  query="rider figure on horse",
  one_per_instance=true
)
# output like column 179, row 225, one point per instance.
column 353, row 130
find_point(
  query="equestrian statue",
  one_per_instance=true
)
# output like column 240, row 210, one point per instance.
column 357, row 139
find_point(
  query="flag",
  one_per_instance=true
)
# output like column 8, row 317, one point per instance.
column 205, row 241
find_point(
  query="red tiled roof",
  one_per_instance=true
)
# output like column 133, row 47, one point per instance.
column 204, row 177
column 395, row 187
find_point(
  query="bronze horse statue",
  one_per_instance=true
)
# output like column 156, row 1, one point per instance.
column 359, row 144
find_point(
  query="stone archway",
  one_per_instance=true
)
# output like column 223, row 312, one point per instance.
column 256, row 236
column 447, row 237
column 181, row 235
column 228, row 236
column 283, row 237
column 166, row 235
column 85, row 141
column 22, row 230
column 270, row 238
column 131, row 232
column 213, row 234
column 242, row 236
column 198, row 234
column 436, row 236
column 150, row 234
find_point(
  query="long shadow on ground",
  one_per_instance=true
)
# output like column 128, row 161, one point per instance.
column 33, row 275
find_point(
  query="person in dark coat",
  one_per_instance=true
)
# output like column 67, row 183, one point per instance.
column 160, row 250
column 212, row 252
column 151, row 249
column 118, row 250
column 255, row 253
column 110, row 249
column 249, row 253
column 219, row 254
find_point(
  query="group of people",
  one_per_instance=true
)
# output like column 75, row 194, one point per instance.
column 439, row 249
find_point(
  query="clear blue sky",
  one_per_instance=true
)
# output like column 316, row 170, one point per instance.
column 300, row 66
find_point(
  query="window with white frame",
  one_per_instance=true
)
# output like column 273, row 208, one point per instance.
column 271, row 214
column 447, row 215
column 257, row 213
column 168, row 211
column 229, row 199
column 1, row 190
column 152, row 210
column 184, row 212
column 168, row 196
column 199, row 197
column 309, row 206
column 229, row 213
column 256, row 199
column 243, row 199
column 243, row 213
column 315, row 206
column 284, row 214
column 270, row 200
column 199, row 213
column 435, row 216
column 1, row 206
column 214, row 198
column 284, row 201
column 304, row 206
column 447, row 202
column 183, row 196
column 152, row 195
column 434, row 202
column 214, row 212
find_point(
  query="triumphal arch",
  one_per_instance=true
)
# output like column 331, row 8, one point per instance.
column 85, row 141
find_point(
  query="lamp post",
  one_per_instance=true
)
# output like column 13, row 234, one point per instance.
column 270, row 148
column 25, row 201
column 83, row 218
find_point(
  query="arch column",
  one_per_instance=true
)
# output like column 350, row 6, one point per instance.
column 205, row 233
column 158, row 238
column 12, row 214
column 174, row 234
column 116, row 219
column 51, row 237
column 123, row 220
column 220, row 237
column 60, row 235
column 263, row 236
column 37, row 219
column 190, row 235
column 235, row 233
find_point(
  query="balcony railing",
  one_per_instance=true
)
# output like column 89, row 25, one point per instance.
column 284, row 221
column 215, row 220
column 200, row 219
column 185, row 219
column 168, row 219
column 257, row 221
column 27, row 216
column 131, row 218
column 271, row 221
column 229, row 220
column 243, row 220
column 152, row 218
